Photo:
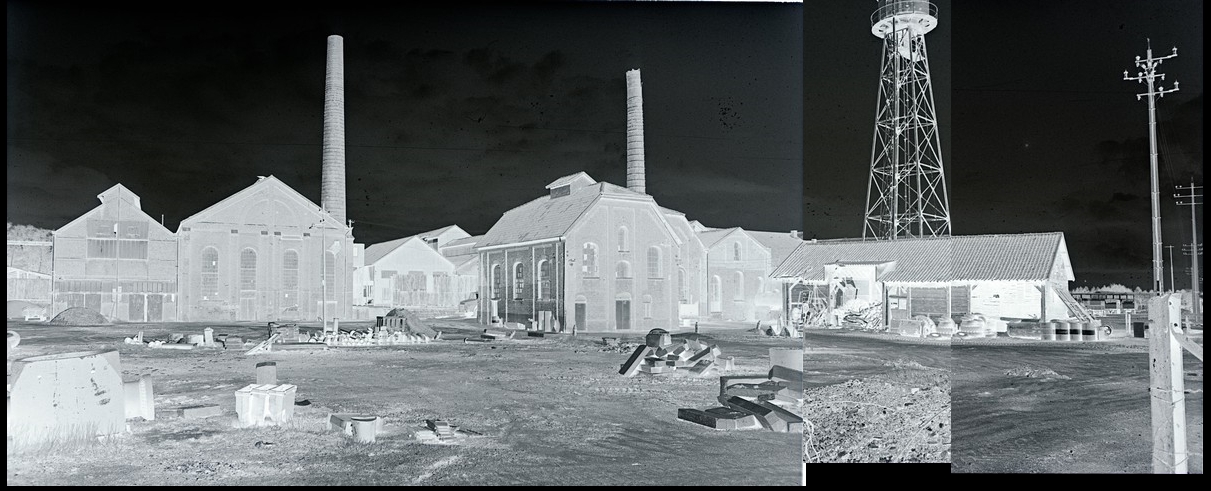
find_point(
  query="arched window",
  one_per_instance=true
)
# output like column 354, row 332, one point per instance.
column 544, row 279
column 330, row 275
column 248, row 270
column 622, row 239
column 647, row 306
column 681, row 291
column 290, row 278
column 210, row 273
column 498, row 282
column 736, row 251
column 589, row 268
column 654, row 270
column 519, row 280
column 739, row 278
column 622, row 270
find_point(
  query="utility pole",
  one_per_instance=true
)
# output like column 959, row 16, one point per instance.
column 1148, row 74
column 1192, row 195
column 1172, row 282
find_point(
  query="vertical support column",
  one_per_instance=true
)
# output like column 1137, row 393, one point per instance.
column 1166, row 386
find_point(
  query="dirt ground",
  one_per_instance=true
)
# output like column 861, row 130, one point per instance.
column 1061, row 407
column 551, row 411
column 876, row 398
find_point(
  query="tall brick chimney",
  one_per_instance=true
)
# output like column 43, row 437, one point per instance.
column 332, row 186
column 635, row 178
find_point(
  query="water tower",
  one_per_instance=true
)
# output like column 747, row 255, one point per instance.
column 906, row 195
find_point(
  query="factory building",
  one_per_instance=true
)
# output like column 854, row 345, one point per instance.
column 116, row 260
column 414, row 272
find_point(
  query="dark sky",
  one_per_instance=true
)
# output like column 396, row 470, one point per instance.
column 453, row 115
column 1045, row 134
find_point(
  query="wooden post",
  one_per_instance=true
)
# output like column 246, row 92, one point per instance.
column 1167, row 387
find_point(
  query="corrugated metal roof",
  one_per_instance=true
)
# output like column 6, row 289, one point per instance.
column 463, row 241
column 1022, row 257
column 780, row 244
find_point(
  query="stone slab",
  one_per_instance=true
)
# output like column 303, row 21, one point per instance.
column 632, row 364
column 65, row 397
column 791, row 358
column 719, row 418
column 761, row 412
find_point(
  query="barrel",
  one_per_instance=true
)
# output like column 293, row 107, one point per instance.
column 364, row 428
column 1049, row 330
column 1076, row 330
column 1061, row 331
column 1089, row 331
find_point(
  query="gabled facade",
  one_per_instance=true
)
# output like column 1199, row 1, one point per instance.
column 116, row 260
column 412, row 272
column 589, row 256
column 266, row 253
column 737, row 268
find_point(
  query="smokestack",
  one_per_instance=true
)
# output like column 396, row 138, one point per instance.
column 635, row 177
column 332, row 186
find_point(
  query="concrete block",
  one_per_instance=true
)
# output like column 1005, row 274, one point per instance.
column 233, row 342
column 65, row 397
column 704, row 353
column 632, row 364
column 195, row 339
column 702, row 366
column 730, row 380
column 259, row 405
column 655, row 369
column 791, row 378
column 608, row 341
column 176, row 337
column 781, row 420
column 719, row 418
column 139, row 400
column 343, row 422
column 726, row 362
column 535, row 334
column 208, row 336
column 267, row 373
column 657, row 338
column 761, row 412
column 791, row 358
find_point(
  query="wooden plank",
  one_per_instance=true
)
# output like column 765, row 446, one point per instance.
column 1194, row 349
column 1166, row 386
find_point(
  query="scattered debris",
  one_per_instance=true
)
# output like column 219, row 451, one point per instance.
column 405, row 320
column 201, row 411
column 259, row 405
column 609, row 341
column 438, row 431
column 79, row 316
column 232, row 342
column 669, row 357
column 304, row 402
column 1034, row 372
column 163, row 345
column 263, row 346
column 658, row 337
column 137, row 339
column 866, row 318
column 260, row 444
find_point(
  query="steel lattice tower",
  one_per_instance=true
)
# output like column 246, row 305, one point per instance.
column 906, row 195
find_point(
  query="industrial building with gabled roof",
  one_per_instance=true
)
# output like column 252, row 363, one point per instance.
column 414, row 272
column 1012, row 276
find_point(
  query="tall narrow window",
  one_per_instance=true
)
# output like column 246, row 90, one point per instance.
column 647, row 306
column 590, row 259
column 544, row 279
column 210, row 273
column 290, row 279
column 622, row 239
column 519, row 281
column 739, row 279
column 330, row 275
column 654, row 263
column 736, row 251
column 498, row 281
column 247, row 270
column 681, row 291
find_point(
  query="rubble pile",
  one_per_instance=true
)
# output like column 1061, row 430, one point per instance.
column 756, row 401
column 878, row 421
column 869, row 318
column 660, row 355
column 79, row 316
column 438, row 431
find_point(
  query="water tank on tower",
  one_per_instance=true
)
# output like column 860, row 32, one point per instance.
column 916, row 16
